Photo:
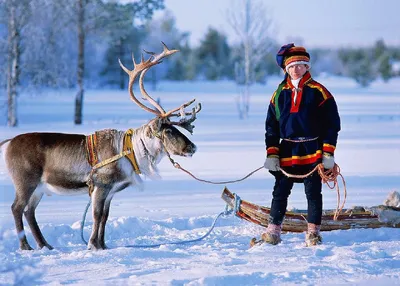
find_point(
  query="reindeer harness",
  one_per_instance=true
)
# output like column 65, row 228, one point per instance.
column 92, row 152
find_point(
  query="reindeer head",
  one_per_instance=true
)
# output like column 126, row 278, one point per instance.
column 170, row 137
column 163, row 127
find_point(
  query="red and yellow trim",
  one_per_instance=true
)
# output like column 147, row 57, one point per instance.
column 273, row 151
column 298, row 58
column 301, row 160
column 325, row 93
column 91, row 147
column 328, row 148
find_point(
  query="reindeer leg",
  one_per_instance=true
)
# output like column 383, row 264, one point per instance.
column 17, row 209
column 103, row 222
column 98, row 199
column 31, row 219
column 26, row 179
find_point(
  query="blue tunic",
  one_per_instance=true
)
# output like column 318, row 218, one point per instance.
column 299, row 128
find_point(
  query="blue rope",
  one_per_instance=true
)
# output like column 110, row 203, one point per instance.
column 228, row 210
column 182, row 241
column 83, row 220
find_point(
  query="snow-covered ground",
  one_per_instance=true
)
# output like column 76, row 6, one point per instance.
column 180, row 208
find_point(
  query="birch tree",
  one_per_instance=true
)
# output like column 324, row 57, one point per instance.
column 250, row 21
column 17, row 17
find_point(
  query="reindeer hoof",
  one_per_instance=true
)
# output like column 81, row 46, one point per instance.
column 49, row 247
column 92, row 246
column 103, row 246
column 25, row 246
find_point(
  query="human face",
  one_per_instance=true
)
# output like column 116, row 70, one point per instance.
column 297, row 71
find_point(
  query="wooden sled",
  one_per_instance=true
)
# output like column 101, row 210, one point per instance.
column 296, row 221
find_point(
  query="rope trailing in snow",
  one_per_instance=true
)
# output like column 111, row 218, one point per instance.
column 83, row 220
column 182, row 241
column 226, row 212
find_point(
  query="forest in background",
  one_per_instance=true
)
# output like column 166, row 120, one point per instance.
column 77, row 44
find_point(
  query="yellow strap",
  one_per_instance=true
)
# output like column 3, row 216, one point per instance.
column 129, row 147
column 110, row 160
column 128, row 152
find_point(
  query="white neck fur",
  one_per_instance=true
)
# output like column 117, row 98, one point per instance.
column 148, row 152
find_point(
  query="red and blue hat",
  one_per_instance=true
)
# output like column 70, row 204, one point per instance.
column 289, row 55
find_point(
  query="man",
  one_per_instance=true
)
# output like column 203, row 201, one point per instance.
column 301, row 131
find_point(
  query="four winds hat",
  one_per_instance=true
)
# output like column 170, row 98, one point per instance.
column 289, row 55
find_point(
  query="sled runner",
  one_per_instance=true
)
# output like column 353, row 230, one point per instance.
column 296, row 221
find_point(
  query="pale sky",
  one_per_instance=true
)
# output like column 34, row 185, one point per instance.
column 319, row 23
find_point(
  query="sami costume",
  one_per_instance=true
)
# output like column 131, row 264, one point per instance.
column 301, row 127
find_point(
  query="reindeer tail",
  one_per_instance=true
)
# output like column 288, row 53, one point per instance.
column 4, row 142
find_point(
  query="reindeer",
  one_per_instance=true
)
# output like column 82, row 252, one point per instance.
column 60, row 163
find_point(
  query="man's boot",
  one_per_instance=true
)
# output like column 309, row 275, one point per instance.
column 313, row 236
column 273, row 234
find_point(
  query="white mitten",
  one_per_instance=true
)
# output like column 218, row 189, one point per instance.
column 328, row 161
column 272, row 163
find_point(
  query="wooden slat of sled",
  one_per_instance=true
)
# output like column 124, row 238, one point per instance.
column 297, row 221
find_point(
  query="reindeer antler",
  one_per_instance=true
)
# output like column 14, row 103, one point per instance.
column 154, row 59
column 186, row 122
column 137, row 69
column 142, row 68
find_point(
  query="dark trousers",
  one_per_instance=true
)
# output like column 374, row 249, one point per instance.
column 280, row 195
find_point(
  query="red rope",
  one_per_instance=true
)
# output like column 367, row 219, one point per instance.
column 327, row 177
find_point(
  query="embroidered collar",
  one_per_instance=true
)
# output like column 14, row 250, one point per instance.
column 305, row 79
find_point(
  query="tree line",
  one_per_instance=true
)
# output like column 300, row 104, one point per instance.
column 77, row 44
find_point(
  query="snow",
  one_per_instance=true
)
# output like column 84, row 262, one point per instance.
column 180, row 208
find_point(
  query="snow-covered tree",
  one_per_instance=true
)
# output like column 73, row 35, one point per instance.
column 252, row 25
column 47, row 61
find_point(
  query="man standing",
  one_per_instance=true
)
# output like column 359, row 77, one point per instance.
column 301, row 131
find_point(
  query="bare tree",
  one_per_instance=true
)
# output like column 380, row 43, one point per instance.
column 18, row 14
column 81, row 61
column 89, row 15
column 251, row 23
